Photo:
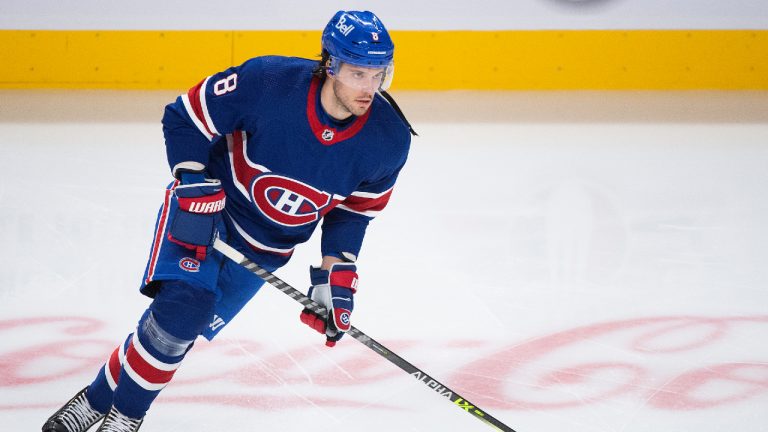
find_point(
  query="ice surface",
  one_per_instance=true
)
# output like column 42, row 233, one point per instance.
column 566, row 261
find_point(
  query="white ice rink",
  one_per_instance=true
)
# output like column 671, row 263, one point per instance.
column 587, row 262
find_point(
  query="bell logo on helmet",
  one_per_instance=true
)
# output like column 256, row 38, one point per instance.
column 345, row 29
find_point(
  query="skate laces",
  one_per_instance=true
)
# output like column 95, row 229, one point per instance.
column 79, row 415
column 119, row 422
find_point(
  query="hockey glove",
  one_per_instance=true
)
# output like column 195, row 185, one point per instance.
column 201, row 201
column 333, row 289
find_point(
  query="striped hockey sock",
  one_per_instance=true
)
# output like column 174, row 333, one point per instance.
column 101, row 390
column 151, row 358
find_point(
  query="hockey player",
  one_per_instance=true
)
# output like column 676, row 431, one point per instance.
column 260, row 153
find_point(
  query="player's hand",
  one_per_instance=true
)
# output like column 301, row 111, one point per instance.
column 200, row 201
column 333, row 289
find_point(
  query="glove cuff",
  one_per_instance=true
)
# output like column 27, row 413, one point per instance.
column 340, row 275
column 192, row 177
column 344, row 278
column 203, row 204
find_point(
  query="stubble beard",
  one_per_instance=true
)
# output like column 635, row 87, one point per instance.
column 347, row 106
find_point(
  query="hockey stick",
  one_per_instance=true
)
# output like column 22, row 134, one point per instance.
column 229, row 252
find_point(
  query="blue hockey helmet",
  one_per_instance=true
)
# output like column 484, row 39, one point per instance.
column 359, row 38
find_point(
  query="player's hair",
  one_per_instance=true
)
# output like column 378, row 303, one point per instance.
column 320, row 70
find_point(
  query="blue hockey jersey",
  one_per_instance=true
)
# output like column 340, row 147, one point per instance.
column 285, row 165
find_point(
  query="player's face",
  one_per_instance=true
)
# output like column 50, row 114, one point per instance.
column 355, row 86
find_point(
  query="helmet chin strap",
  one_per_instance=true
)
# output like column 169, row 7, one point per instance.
column 387, row 96
column 399, row 112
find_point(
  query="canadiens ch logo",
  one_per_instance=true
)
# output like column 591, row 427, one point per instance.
column 190, row 265
column 287, row 201
column 344, row 318
column 327, row 135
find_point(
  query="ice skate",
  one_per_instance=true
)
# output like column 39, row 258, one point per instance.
column 77, row 415
column 119, row 422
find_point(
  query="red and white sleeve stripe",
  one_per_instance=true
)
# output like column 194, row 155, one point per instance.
column 366, row 203
column 197, row 109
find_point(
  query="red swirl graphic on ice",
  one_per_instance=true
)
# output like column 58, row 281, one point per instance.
column 677, row 363
column 591, row 364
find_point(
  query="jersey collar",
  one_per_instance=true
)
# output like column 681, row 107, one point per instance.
column 326, row 134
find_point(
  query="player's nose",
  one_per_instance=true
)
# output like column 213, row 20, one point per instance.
column 372, row 86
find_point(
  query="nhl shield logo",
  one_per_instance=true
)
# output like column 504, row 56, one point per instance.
column 327, row 134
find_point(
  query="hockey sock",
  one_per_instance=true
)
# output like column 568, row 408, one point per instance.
column 164, row 335
column 102, row 388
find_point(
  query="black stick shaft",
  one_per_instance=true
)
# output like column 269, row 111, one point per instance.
column 366, row 340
